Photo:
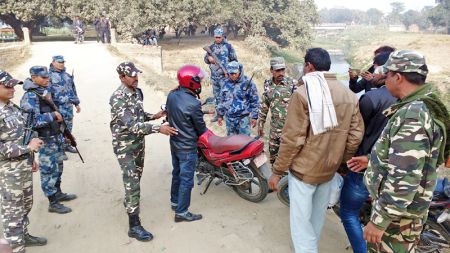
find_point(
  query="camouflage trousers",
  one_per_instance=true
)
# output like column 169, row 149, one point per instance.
column 216, row 88
column 51, row 165
column 399, row 237
column 131, row 161
column 67, row 113
column 274, row 144
column 238, row 125
column 16, row 192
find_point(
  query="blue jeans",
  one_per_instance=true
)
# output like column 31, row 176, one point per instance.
column 353, row 195
column 182, row 180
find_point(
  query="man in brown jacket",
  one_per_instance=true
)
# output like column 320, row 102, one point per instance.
column 323, row 129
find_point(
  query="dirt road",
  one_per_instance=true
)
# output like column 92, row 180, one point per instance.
column 99, row 223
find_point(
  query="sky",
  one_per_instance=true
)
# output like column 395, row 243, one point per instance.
column 383, row 5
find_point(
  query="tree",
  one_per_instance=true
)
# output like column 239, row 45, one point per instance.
column 411, row 17
column 444, row 5
column 374, row 16
column 395, row 16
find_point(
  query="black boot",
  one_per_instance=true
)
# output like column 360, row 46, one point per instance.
column 56, row 207
column 137, row 231
column 61, row 196
column 31, row 241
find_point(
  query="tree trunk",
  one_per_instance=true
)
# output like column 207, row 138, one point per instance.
column 10, row 19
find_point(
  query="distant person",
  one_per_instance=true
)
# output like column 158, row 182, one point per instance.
column 79, row 29
column 323, row 128
column 96, row 24
column 225, row 53
column 365, row 83
column 104, row 27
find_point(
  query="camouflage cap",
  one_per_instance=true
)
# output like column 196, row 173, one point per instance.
column 128, row 69
column 406, row 61
column 39, row 71
column 233, row 67
column 277, row 63
column 218, row 32
column 7, row 80
column 58, row 58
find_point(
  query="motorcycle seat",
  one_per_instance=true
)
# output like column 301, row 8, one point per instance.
column 234, row 143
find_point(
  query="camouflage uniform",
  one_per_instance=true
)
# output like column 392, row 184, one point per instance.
column 64, row 93
column 225, row 53
column 276, row 99
column 51, row 153
column 238, row 101
column 16, row 181
column 129, row 127
column 401, row 175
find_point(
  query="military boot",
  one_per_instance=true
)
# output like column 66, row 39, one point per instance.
column 61, row 196
column 56, row 207
column 137, row 231
column 31, row 241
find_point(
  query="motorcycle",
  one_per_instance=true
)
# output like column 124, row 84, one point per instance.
column 237, row 161
column 79, row 35
column 435, row 235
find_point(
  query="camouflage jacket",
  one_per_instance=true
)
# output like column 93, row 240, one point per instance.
column 12, row 131
column 238, row 98
column 62, row 88
column 128, row 119
column 276, row 99
column 225, row 53
column 401, row 175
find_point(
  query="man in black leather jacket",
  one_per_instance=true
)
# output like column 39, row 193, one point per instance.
column 185, row 114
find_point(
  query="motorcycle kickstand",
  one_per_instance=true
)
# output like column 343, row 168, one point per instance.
column 211, row 178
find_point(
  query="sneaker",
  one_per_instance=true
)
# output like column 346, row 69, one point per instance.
column 60, row 196
column 187, row 217
column 31, row 241
column 58, row 208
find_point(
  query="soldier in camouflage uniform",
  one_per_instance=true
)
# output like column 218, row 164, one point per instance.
column 16, row 180
column 277, row 93
column 47, row 123
column 129, row 126
column 225, row 53
column 64, row 93
column 238, row 101
column 401, row 174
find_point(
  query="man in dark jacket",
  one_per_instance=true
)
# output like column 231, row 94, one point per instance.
column 185, row 114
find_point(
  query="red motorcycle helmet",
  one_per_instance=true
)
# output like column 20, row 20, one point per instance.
column 190, row 77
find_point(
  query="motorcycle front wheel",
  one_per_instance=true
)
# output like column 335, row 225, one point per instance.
column 256, row 189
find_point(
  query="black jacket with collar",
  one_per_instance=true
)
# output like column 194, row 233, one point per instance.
column 185, row 114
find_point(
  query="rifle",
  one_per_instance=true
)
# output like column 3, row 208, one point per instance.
column 67, row 134
column 28, row 133
column 218, row 62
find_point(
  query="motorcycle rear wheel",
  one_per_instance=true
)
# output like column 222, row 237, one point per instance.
column 283, row 190
column 259, row 182
column 434, row 237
